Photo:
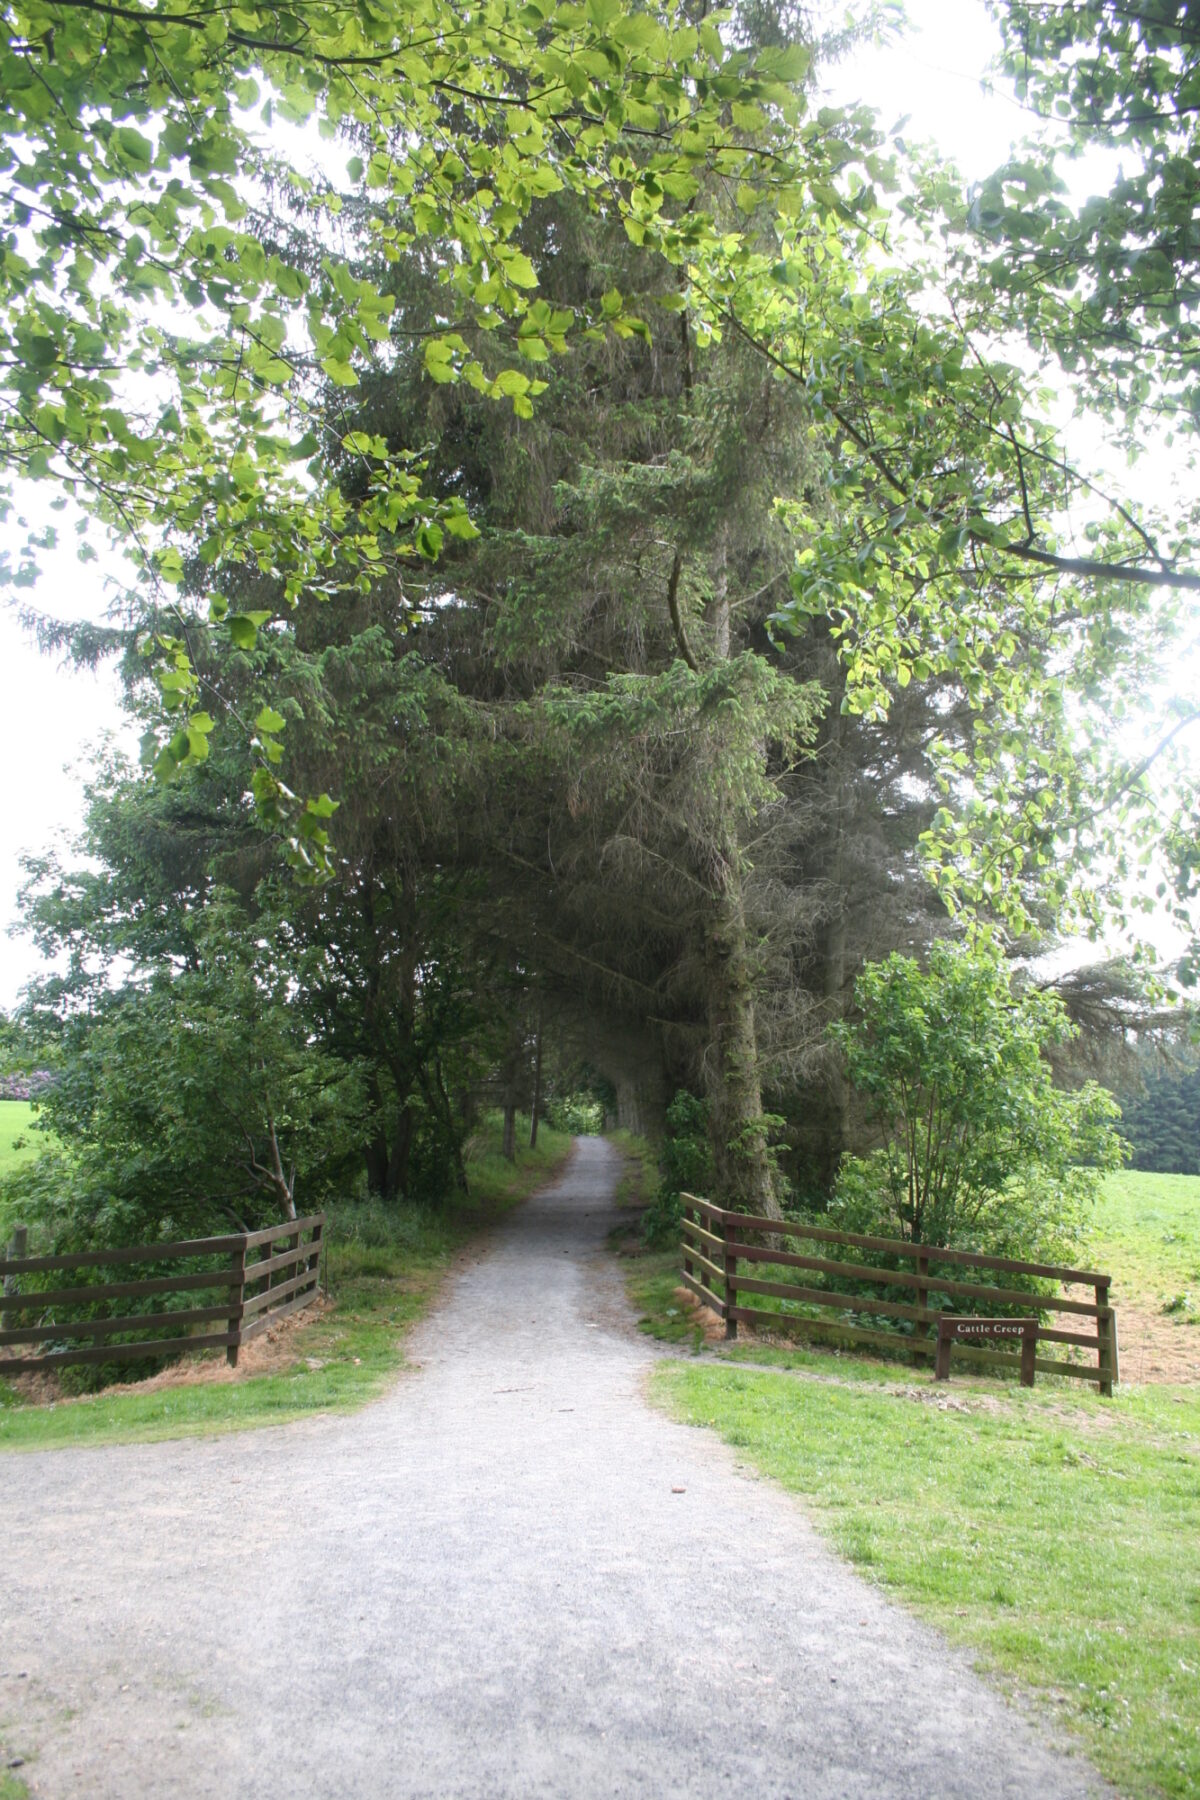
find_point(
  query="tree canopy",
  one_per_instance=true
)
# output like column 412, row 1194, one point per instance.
column 159, row 346
column 698, row 533
column 1108, row 286
column 185, row 317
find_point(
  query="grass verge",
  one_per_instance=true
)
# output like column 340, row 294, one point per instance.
column 651, row 1275
column 384, row 1265
column 1047, row 1533
column 1146, row 1230
column 1044, row 1529
column 652, row 1283
column 18, row 1142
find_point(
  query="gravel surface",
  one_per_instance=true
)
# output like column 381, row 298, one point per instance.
column 487, row 1584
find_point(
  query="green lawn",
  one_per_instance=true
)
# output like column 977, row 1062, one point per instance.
column 383, row 1266
column 1050, row 1531
column 1146, row 1232
column 18, row 1144
column 1053, row 1534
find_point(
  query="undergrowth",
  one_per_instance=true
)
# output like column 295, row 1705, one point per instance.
column 382, row 1266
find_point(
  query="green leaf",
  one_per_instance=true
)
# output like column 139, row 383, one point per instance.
column 511, row 381
column 519, row 269
column 243, row 628
column 788, row 64
column 339, row 372
column 134, row 151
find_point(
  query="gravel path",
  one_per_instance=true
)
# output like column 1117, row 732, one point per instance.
column 484, row 1585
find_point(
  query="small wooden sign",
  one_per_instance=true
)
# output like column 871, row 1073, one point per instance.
column 953, row 1327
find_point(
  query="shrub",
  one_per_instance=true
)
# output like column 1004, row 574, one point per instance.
column 580, row 1114
column 687, row 1167
column 979, row 1146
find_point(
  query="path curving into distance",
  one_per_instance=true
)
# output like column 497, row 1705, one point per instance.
column 482, row 1586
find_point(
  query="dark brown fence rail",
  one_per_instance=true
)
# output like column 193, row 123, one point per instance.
column 229, row 1288
column 715, row 1243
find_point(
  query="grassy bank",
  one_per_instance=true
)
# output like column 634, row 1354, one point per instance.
column 1044, row 1531
column 1048, row 1531
column 383, row 1267
column 1146, row 1229
column 18, row 1144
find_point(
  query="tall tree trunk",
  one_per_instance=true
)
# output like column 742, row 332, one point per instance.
column 283, row 1181
column 629, row 1105
column 401, row 1153
column 376, row 1152
column 375, row 1156
column 737, row 1129
column 456, row 1137
column 738, row 1132
column 535, row 1105
column 514, row 1072
column 835, row 948
column 433, row 1086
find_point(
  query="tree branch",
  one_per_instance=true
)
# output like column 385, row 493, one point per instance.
column 677, row 625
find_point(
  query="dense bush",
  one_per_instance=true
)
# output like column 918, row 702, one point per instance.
column 191, row 1105
column 582, row 1114
column 686, row 1164
column 979, row 1147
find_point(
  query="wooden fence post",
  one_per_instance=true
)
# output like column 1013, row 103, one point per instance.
column 687, row 1242
column 19, row 1247
column 314, row 1261
column 1029, row 1354
column 729, row 1267
column 237, row 1266
column 923, row 1294
column 1106, row 1328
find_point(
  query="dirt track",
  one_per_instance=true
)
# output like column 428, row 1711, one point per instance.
column 485, row 1585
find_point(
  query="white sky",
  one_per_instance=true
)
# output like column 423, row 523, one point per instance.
column 934, row 77
column 52, row 717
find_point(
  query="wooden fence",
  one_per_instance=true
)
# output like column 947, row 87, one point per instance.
column 231, row 1288
column 716, row 1241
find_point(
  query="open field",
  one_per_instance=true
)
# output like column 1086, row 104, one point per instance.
column 18, row 1144
column 1044, row 1530
column 1147, row 1232
column 383, row 1266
